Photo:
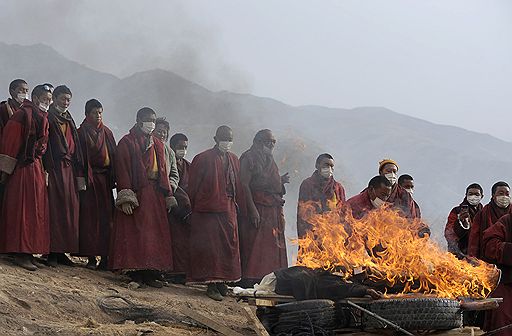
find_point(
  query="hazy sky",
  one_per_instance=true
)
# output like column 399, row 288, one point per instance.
column 446, row 61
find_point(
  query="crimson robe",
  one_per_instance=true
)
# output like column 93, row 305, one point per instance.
column 489, row 215
column 456, row 236
column 7, row 109
column 497, row 247
column 360, row 204
column 24, row 225
column 215, row 193
column 178, row 221
column 64, row 163
column 141, row 241
column 322, row 192
column 96, row 202
column 403, row 201
column 262, row 249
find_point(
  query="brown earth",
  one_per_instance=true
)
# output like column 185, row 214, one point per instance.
column 64, row 301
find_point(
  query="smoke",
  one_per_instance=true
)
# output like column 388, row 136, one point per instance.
column 122, row 37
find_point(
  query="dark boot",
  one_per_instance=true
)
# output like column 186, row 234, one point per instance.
column 103, row 266
column 64, row 260
column 213, row 293
column 24, row 260
column 51, row 259
column 36, row 262
column 91, row 263
column 152, row 279
column 222, row 288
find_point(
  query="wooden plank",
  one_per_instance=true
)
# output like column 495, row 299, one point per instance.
column 253, row 319
column 209, row 322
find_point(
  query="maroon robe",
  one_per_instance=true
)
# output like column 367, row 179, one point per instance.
column 7, row 109
column 215, row 193
column 489, row 215
column 64, row 163
column 97, row 201
column 456, row 236
column 262, row 249
column 403, row 201
column 497, row 247
column 24, row 225
column 321, row 192
column 141, row 241
column 178, row 220
column 360, row 204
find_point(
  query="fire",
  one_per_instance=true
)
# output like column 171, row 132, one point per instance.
column 386, row 246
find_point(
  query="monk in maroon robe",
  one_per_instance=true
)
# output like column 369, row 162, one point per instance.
column 215, row 193
column 178, row 219
column 399, row 197
column 373, row 197
column 18, row 89
column 141, row 238
column 24, row 225
column 64, row 163
column 406, row 181
column 497, row 248
column 97, row 201
column 491, row 212
column 320, row 190
column 460, row 220
column 261, row 227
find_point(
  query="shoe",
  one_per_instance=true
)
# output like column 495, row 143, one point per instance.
column 153, row 283
column 213, row 293
column 24, row 261
column 222, row 288
column 64, row 260
column 91, row 264
column 51, row 260
column 37, row 263
column 103, row 265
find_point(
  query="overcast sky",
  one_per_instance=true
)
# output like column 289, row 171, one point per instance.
column 446, row 61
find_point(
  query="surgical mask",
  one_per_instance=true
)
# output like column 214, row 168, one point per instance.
column 20, row 98
column 268, row 150
column 391, row 178
column 473, row 199
column 377, row 202
column 503, row 201
column 43, row 107
column 147, row 127
column 60, row 109
column 410, row 191
column 225, row 146
column 326, row 172
column 180, row 153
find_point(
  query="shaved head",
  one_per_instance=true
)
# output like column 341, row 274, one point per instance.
column 224, row 133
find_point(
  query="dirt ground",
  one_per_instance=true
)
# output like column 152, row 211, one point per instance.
column 63, row 301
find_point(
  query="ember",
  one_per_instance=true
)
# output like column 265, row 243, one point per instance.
column 388, row 248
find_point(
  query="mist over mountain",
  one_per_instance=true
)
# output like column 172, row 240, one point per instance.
column 442, row 159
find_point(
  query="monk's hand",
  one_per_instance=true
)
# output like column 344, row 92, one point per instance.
column 170, row 203
column 374, row 294
column 424, row 232
column 285, row 178
column 255, row 218
column 127, row 208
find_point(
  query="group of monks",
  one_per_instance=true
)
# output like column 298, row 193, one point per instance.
column 214, row 221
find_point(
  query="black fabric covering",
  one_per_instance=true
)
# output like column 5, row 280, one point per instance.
column 305, row 284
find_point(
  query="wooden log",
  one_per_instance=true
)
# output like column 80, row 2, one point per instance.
column 486, row 304
column 209, row 322
column 253, row 319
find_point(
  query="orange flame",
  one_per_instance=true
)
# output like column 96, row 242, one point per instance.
column 387, row 247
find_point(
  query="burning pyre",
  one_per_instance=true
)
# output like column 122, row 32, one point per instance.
column 387, row 247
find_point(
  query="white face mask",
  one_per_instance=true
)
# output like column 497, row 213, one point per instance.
column 43, row 107
column 180, row 153
column 503, row 201
column 377, row 203
column 225, row 146
column 473, row 199
column 410, row 191
column 20, row 98
column 392, row 177
column 326, row 172
column 60, row 109
column 267, row 150
column 147, row 127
